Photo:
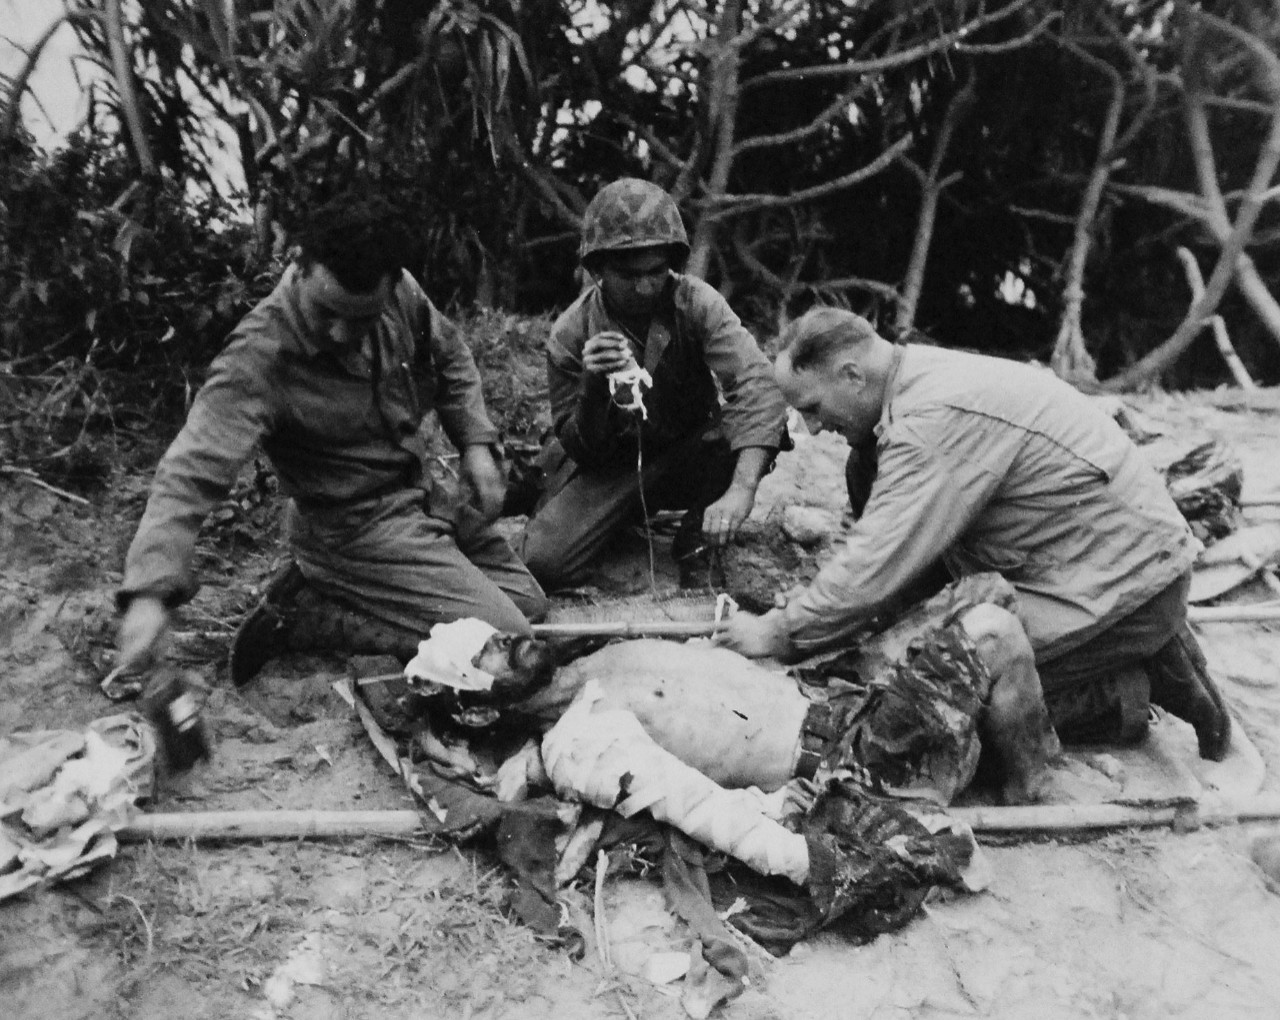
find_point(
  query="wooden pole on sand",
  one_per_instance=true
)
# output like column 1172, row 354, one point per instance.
column 1035, row 818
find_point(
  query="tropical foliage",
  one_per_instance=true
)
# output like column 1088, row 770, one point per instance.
column 1041, row 179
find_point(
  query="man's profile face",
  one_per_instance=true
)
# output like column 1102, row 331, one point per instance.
column 831, row 397
column 634, row 281
column 342, row 317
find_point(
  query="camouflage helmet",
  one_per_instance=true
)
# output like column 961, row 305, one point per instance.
column 631, row 213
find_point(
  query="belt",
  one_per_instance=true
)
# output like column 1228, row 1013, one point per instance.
column 817, row 734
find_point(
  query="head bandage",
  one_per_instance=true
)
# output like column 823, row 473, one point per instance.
column 446, row 656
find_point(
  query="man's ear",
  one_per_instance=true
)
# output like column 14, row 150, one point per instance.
column 850, row 372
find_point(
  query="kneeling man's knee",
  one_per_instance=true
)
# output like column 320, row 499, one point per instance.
column 999, row 637
column 1015, row 719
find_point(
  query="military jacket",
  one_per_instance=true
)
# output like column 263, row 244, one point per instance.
column 1001, row 466
column 699, row 355
column 341, row 427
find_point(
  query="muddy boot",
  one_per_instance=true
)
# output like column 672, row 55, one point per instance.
column 701, row 565
column 1180, row 683
column 292, row 616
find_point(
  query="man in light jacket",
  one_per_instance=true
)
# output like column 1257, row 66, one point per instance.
column 1001, row 467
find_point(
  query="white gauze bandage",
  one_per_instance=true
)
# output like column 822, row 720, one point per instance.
column 445, row 657
column 591, row 755
column 635, row 379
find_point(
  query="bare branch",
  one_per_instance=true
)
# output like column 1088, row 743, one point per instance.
column 1071, row 359
column 540, row 184
column 743, row 203
column 785, row 13
column 1169, row 351
column 1025, row 39
column 838, row 106
column 1042, row 214
column 659, row 147
column 753, row 265
column 1191, row 206
column 1196, row 282
column 886, row 291
column 1232, row 103
column 1216, row 217
column 931, row 187
column 1150, row 88
column 549, row 240
column 1269, row 62
column 899, row 59
column 666, row 72
column 1269, row 195
column 723, row 95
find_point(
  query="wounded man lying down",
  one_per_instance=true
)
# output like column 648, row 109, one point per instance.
column 683, row 729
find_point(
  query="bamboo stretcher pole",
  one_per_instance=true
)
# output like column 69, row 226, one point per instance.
column 1233, row 614
column 1208, row 810
column 706, row 628
column 629, row 629
column 272, row 824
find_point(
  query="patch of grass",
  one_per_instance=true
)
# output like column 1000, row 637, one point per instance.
column 165, row 911
column 448, row 945
column 422, row 931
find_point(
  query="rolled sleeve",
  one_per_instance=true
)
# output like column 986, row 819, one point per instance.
column 754, row 412
column 924, row 498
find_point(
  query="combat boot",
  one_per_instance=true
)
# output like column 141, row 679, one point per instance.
column 1180, row 683
column 293, row 616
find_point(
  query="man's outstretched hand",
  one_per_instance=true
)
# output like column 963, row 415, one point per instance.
column 723, row 518
column 757, row 637
column 144, row 624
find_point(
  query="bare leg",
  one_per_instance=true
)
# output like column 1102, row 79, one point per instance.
column 1015, row 722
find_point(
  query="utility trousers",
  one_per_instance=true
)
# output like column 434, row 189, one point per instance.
column 411, row 559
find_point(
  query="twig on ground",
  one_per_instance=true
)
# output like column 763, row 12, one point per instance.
column 602, row 932
column 35, row 479
column 146, row 925
column 602, row 928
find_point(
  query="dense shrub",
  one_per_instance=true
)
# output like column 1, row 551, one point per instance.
column 115, row 293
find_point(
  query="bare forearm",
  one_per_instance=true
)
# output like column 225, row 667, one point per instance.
column 750, row 468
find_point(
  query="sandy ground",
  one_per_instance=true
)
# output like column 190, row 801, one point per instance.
column 1133, row 924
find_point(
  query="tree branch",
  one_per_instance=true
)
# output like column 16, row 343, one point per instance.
column 836, row 107
column 1012, row 44
column 659, row 147
column 540, row 184
column 1071, row 359
column 1196, row 282
column 1191, row 206
column 724, row 94
column 1216, row 218
column 732, row 205
column 884, row 290
column 931, row 187
column 903, row 57
column 1168, row 352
